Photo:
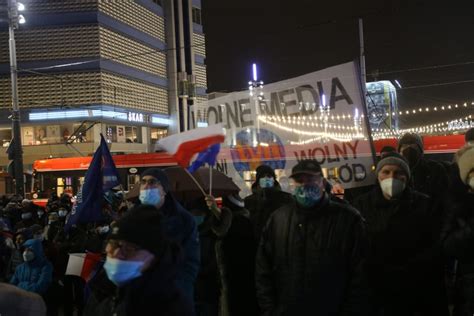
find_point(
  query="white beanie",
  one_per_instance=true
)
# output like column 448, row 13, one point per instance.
column 465, row 160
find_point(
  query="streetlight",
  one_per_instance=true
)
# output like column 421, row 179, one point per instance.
column 256, row 91
column 14, row 19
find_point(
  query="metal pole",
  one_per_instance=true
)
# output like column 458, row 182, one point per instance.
column 182, row 63
column 362, row 55
column 363, row 80
column 16, row 128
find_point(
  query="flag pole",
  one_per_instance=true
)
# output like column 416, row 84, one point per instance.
column 195, row 181
column 210, row 180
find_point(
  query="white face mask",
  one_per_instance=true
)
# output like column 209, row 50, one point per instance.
column 392, row 187
column 28, row 256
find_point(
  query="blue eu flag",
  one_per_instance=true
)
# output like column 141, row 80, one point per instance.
column 100, row 177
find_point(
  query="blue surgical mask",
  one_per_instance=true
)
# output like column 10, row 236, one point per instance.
column 121, row 271
column 265, row 182
column 199, row 219
column 150, row 196
column 308, row 195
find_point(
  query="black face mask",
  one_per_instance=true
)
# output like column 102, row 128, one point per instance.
column 412, row 156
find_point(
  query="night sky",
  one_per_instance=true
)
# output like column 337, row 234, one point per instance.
column 291, row 38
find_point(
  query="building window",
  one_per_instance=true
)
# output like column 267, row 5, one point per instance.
column 5, row 136
column 197, row 16
column 55, row 134
column 123, row 134
column 157, row 133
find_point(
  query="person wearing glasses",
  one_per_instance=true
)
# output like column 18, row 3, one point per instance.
column 178, row 224
column 141, row 262
column 311, row 255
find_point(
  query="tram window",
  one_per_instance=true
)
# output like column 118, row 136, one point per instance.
column 133, row 179
column 60, row 186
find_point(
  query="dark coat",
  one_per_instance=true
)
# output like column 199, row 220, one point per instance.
column 262, row 203
column 210, row 282
column 239, row 248
column 180, row 226
column 153, row 293
column 458, row 243
column 311, row 262
column 429, row 177
column 405, row 263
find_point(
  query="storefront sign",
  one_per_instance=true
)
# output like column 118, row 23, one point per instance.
column 135, row 117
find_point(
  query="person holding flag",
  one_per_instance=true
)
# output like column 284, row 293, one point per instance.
column 100, row 177
column 178, row 225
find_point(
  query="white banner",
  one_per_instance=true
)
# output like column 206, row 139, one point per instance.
column 318, row 115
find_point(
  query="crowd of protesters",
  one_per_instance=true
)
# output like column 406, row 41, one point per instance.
column 405, row 247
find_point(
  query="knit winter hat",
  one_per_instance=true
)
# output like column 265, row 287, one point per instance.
column 142, row 226
column 264, row 170
column 465, row 160
column 411, row 138
column 160, row 175
column 393, row 159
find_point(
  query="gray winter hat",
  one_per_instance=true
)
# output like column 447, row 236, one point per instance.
column 393, row 158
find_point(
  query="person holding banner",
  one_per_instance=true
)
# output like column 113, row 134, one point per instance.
column 310, row 260
column 179, row 225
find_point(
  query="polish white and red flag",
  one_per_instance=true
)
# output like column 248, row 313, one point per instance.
column 184, row 146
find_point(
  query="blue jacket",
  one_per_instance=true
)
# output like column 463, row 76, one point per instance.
column 36, row 275
column 180, row 226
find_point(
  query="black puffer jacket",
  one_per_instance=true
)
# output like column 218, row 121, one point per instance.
column 405, row 263
column 311, row 262
column 262, row 203
column 458, row 243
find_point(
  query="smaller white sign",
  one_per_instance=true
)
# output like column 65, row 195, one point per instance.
column 135, row 117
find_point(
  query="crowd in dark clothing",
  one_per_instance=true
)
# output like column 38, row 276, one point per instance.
column 403, row 248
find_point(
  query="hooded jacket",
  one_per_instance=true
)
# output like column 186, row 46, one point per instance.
column 311, row 261
column 35, row 275
column 263, row 202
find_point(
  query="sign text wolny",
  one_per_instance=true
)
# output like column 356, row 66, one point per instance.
column 239, row 113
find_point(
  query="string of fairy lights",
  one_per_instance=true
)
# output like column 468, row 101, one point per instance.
column 336, row 126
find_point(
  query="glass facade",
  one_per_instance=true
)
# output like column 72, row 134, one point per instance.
column 157, row 133
column 123, row 134
column 55, row 134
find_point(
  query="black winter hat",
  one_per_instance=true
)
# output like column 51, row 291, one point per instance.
column 264, row 170
column 310, row 166
column 411, row 138
column 160, row 175
column 142, row 226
